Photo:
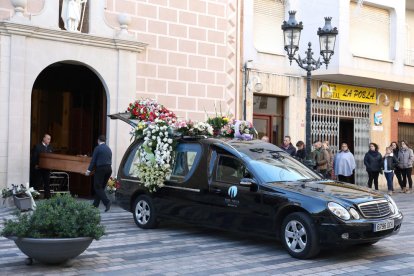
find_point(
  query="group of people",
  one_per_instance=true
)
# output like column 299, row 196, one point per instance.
column 322, row 157
column 398, row 160
column 101, row 164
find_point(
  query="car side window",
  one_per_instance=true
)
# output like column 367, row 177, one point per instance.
column 133, row 158
column 186, row 159
column 230, row 170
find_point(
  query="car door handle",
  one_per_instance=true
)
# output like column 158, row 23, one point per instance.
column 216, row 190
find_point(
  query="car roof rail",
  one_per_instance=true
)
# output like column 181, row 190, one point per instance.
column 194, row 137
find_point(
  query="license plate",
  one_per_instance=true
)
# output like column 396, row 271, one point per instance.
column 383, row 225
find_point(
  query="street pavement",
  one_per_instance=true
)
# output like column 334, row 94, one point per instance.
column 174, row 249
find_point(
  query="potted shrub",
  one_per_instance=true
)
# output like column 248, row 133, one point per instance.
column 60, row 229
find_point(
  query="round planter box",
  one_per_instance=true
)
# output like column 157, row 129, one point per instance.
column 52, row 251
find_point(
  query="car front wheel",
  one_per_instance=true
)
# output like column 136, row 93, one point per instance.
column 144, row 212
column 299, row 236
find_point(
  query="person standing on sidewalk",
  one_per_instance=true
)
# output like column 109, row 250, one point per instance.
column 373, row 164
column 405, row 163
column 101, row 161
column 325, row 145
column 389, row 164
column 287, row 146
column 344, row 164
column 321, row 157
column 397, row 171
column 301, row 152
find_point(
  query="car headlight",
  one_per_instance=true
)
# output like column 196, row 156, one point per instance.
column 339, row 211
column 354, row 213
column 393, row 205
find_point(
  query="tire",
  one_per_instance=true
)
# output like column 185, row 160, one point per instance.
column 144, row 212
column 299, row 236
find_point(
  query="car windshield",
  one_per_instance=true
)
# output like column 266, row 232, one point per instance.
column 280, row 167
column 270, row 163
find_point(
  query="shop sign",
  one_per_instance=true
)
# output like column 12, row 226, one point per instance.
column 349, row 93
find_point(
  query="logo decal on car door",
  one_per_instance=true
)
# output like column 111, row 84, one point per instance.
column 232, row 191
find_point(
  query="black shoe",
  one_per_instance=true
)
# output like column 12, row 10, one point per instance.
column 108, row 206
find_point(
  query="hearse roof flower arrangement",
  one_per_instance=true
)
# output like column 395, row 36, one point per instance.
column 149, row 110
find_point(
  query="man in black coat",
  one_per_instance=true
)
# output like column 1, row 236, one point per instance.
column 42, row 176
column 287, row 146
column 101, row 161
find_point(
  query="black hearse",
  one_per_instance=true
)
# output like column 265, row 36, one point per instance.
column 255, row 187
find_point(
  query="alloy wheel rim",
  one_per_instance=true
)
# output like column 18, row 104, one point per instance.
column 295, row 236
column 142, row 212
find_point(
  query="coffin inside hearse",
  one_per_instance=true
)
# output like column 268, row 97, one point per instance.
column 67, row 173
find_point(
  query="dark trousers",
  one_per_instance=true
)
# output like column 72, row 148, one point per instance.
column 406, row 174
column 398, row 175
column 389, row 176
column 102, row 175
column 373, row 176
column 42, row 177
column 344, row 178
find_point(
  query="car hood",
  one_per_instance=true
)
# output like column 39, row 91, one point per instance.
column 329, row 190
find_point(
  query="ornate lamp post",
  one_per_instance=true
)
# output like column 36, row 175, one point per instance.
column 327, row 37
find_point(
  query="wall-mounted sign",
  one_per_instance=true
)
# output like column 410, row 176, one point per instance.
column 349, row 93
column 378, row 118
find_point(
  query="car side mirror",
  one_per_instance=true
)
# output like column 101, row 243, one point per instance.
column 247, row 182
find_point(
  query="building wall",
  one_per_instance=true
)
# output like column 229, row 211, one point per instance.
column 190, row 63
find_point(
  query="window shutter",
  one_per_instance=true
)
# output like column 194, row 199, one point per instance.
column 409, row 20
column 268, row 19
column 369, row 31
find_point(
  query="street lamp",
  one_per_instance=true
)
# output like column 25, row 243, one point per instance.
column 327, row 37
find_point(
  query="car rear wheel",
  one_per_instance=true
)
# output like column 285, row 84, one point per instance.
column 144, row 212
column 299, row 236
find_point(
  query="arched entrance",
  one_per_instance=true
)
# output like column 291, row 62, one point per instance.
column 69, row 102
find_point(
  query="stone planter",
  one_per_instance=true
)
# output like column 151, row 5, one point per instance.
column 52, row 251
column 23, row 203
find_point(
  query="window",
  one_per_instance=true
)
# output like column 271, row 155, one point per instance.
column 369, row 31
column 186, row 159
column 268, row 117
column 230, row 170
column 133, row 158
column 409, row 21
column 268, row 17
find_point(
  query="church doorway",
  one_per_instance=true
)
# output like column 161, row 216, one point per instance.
column 69, row 102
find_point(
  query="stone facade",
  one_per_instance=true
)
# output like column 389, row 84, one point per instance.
column 183, row 53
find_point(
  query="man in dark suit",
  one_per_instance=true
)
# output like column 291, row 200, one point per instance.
column 101, row 161
column 41, row 176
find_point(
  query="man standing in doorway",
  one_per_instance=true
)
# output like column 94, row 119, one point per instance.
column 42, row 176
column 101, row 161
column 287, row 146
column 344, row 164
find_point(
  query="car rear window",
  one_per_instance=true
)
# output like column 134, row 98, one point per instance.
column 186, row 159
column 133, row 158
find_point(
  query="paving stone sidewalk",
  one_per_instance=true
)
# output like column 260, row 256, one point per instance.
column 175, row 249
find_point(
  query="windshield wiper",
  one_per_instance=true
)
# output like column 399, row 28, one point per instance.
column 276, row 154
column 309, row 179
